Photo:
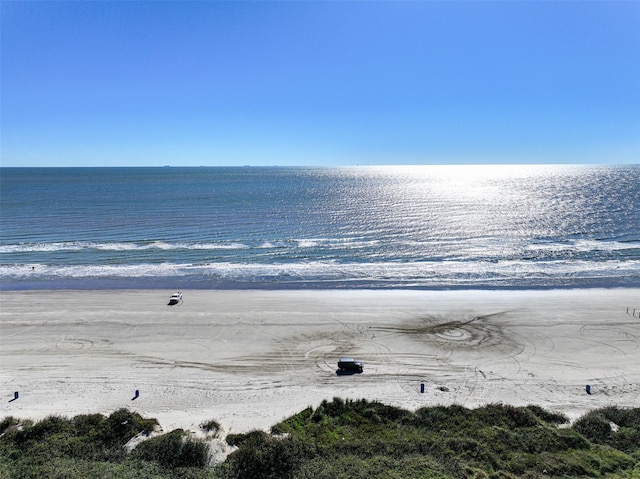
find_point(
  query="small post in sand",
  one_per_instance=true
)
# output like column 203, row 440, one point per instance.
column 16, row 395
column 136, row 396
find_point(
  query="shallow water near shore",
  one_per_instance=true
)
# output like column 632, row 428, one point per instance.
column 425, row 227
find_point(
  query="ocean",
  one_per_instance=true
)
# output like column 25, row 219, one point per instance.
column 424, row 227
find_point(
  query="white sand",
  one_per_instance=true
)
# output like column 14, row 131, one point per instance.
column 249, row 359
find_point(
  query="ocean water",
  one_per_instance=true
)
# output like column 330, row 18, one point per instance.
column 358, row 227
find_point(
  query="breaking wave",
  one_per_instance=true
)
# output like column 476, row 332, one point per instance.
column 421, row 274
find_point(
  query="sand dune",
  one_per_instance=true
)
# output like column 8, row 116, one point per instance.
column 251, row 358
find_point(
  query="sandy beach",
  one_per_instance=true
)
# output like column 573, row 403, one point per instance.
column 249, row 359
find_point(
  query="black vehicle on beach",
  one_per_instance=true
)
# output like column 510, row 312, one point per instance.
column 350, row 365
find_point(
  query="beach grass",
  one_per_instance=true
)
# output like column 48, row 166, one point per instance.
column 338, row 439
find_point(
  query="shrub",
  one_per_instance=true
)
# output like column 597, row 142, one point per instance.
column 294, row 423
column 594, row 426
column 251, row 437
column 261, row 456
column 626, row 439
column 624, row 417
column 440, row 417
column 507, row 416
column 44, row 429
column 88, row 424
column 172, row 450
column 210, row 426
column 8, row 423
column 122, row 425
column 547, row 416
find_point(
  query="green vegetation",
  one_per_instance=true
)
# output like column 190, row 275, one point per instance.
column 338, row 439
column 211, row 426
column 89, row 446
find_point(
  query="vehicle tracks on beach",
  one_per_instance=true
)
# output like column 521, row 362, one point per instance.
column 447, row 341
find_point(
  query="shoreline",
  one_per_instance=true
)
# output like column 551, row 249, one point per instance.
column 179, row 282
column 251, row 358
column 305, row 287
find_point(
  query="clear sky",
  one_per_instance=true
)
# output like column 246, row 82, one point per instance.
column 319, row 83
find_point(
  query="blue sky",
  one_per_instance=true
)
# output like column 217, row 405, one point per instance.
column 319, row 83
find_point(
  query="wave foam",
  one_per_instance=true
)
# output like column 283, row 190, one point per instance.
column 585, row 246
column 182, row 245
column 115, row 246
column 453, row 273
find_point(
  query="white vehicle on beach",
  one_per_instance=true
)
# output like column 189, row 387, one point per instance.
column 175, row 298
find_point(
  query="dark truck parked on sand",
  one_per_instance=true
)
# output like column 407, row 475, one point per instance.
column 350, row 365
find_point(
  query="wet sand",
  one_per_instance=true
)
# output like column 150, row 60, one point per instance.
column 249, row 359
